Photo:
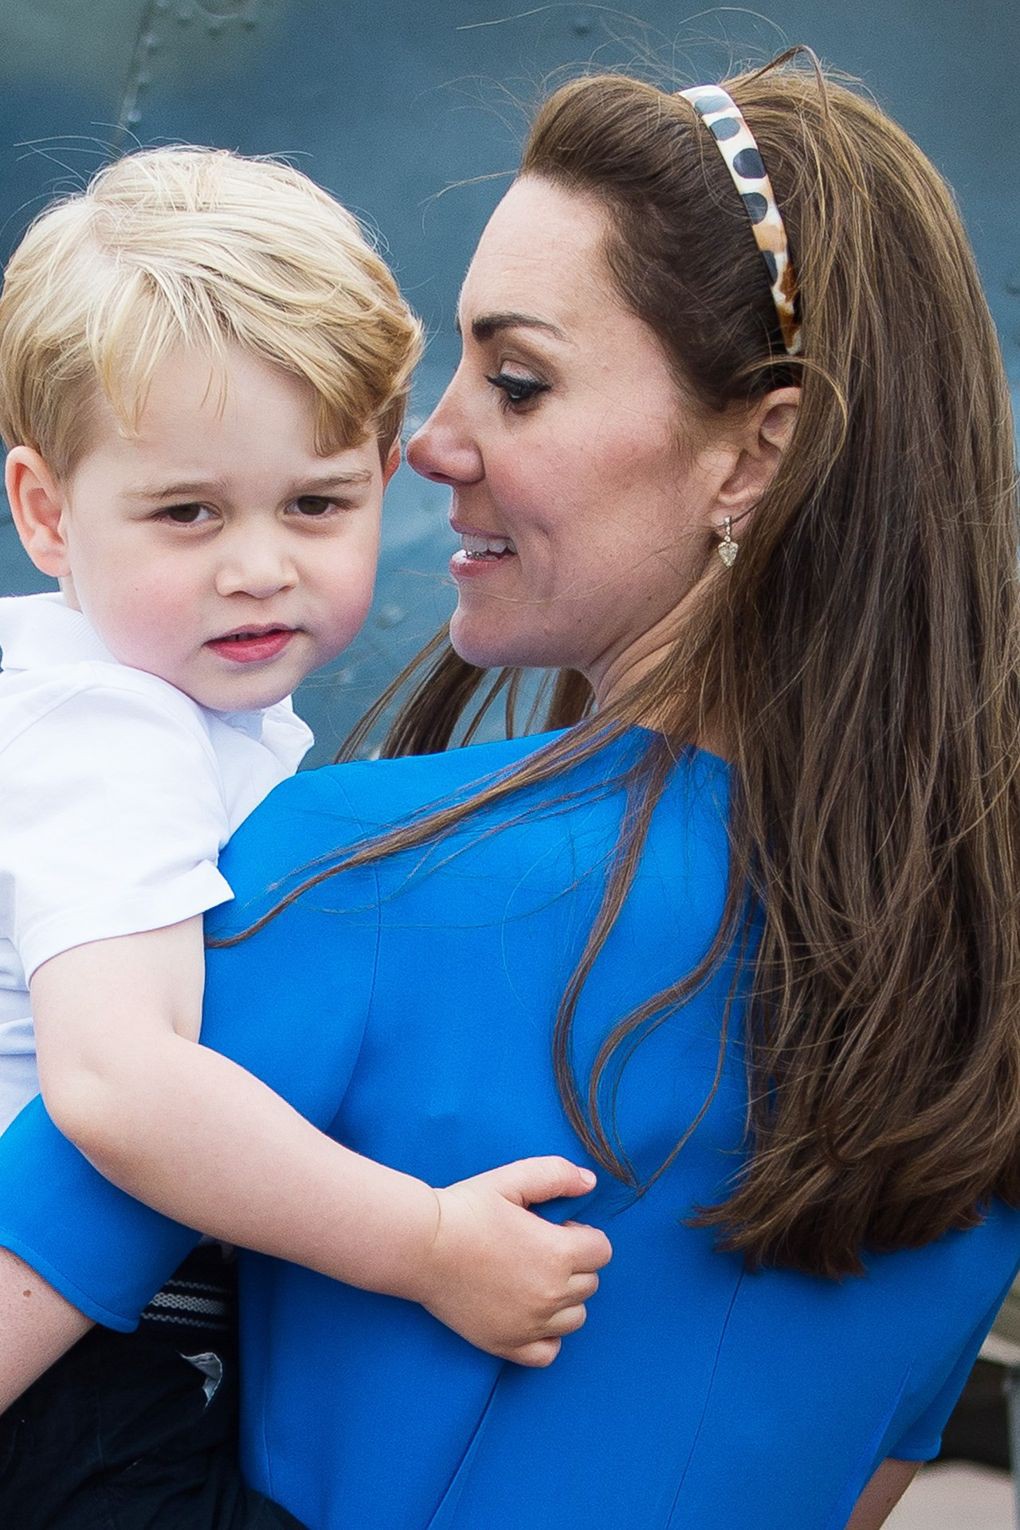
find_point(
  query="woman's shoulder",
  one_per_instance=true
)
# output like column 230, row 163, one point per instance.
column 321, row 812
column 387, row 792
column 339, row 804
column 384, row 793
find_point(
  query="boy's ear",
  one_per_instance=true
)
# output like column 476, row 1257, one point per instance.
column 37, row 506
column 391, row 464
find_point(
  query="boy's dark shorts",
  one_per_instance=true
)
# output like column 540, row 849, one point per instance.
column 125, row 1433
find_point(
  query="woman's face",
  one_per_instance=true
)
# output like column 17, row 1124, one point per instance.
column 583, row 484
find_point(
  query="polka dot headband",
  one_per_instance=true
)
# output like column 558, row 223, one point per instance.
column 736, row 143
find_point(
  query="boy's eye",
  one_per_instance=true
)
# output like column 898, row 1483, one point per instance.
column 185, row 515
column 516, row 390
column 315, row 505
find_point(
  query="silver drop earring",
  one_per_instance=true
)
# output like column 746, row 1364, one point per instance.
column 727, row 548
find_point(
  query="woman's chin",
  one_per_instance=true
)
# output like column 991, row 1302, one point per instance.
column 489, row 647
column 503, row 656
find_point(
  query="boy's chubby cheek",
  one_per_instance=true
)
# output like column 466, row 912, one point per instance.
column 147, row 623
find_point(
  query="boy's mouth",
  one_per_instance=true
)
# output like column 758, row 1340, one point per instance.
column 251, row 645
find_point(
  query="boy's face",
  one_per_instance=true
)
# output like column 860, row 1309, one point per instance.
column 217, row 549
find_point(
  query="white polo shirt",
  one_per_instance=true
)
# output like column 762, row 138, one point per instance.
column 117, row 793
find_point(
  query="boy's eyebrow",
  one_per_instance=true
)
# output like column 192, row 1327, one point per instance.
column 166, row 490
column 488, row 324
column 195, row 488
column 349, row 480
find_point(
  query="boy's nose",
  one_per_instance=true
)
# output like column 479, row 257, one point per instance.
column 257, row 569
column 443, row 450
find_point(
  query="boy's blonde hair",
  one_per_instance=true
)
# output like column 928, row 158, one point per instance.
column 204, row 248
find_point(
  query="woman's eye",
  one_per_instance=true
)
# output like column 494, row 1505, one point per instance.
column 516, row 390
column 186, row 515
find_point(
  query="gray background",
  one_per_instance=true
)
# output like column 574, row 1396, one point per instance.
column 413, row 114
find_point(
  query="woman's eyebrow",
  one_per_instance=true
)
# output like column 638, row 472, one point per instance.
column 488, row 324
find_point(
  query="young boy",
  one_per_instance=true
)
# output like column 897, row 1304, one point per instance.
column 203, row 370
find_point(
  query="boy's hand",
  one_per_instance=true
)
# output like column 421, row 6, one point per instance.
column 503, row 1278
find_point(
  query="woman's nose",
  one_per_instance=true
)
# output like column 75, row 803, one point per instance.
column 443, row 449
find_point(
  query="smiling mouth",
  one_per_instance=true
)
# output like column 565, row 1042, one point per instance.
column 476, row 548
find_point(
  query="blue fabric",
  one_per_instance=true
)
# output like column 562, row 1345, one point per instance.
column 406, row 1008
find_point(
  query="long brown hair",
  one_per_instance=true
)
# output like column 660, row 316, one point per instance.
column 859, row 662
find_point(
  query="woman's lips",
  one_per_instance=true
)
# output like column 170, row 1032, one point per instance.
column 480, row 552
column 465, row 565
column 249, row 646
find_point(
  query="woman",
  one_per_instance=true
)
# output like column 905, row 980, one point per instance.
column 733, row 456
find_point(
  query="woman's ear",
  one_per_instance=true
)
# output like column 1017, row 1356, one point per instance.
column 38, row 507
column 762, row 437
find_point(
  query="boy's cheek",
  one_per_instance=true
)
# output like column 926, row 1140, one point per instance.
column 348, row 620
column 348, row 602
column 145, row 619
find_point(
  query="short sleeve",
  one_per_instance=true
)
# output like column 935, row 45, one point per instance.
column 113, row 818
column 922, row 1439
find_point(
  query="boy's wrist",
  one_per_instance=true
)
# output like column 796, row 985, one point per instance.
column 407, row 1259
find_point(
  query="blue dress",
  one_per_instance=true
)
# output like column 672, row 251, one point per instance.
column 406, row 1009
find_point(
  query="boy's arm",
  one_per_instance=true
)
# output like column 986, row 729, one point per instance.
column 200, row 1139
column 36, row 1327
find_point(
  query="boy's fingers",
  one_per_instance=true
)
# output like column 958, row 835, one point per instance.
column 540, row 1352
column 580, row 1288
column 569, row 1320
column 531, row 1180
column 592, row 1250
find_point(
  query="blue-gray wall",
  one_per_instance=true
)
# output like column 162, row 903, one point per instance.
column 389, row 102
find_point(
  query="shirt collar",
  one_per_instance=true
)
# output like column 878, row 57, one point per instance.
column 251, row 723
column 37, row 631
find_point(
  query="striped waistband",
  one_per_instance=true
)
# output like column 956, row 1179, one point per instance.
column 198, row 1300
